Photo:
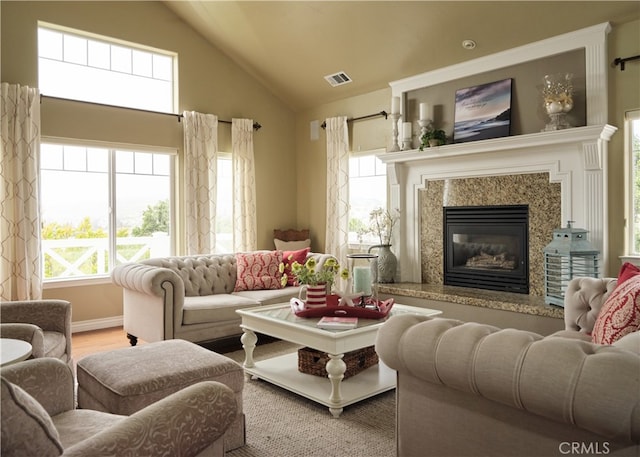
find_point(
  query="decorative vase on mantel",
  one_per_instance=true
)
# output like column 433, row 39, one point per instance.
column 386, row 263
column 557, row 93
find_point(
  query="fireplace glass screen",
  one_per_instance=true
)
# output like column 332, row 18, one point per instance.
column 486, row 247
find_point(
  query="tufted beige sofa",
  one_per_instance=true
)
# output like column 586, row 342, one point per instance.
column 189, row 297
column 468, row 389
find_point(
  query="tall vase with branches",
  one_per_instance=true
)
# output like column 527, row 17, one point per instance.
column 382, row 224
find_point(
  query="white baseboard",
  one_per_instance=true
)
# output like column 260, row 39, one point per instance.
column 96, row 324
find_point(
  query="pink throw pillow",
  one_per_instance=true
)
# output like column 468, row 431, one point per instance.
column 620, row 314
column 627, row 271
column 288, row 257
column 258, row 271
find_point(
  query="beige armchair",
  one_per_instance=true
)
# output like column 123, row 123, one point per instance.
column 46, row 324
column 38, row 418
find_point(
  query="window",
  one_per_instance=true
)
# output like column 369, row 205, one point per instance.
column 367, row 191
column 224, row 205
column 86, row 67
column 632, row 146
column 102, row 205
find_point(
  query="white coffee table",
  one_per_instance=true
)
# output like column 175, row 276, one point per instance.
column 280, row 322
column 12, row 351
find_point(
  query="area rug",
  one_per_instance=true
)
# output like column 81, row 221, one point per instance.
column 283, row 424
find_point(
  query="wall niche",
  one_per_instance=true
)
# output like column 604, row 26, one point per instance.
column 527, row 112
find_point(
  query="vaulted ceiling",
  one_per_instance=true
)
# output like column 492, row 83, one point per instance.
column 290, row 46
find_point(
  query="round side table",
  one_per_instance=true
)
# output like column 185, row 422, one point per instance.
column 12, row 351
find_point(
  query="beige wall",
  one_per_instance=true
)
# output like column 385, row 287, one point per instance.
column 209, row 82
column 624, row 94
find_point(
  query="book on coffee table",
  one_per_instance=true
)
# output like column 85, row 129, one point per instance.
column 337, row 323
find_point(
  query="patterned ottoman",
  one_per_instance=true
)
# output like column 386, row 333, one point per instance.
column 124, row 381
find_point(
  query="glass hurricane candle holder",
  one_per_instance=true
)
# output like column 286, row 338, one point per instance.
column 363, row 273
column 557, row 95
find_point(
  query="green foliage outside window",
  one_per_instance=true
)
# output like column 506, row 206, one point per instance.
column 154, row 219
column 357, row 225
column 56, row 231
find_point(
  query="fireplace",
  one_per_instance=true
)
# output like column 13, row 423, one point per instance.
column 573, row 161
column 559, row 175
column 486, row 247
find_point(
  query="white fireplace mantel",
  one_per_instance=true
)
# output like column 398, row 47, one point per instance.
column 576, row 158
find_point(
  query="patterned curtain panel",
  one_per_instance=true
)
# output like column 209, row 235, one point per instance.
column 20, row 264
column 245, row 230
column 200, row 165
column 337, row 229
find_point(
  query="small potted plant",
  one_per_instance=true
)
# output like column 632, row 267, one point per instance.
column 310, row 274
column 316, row 281
column 432, row 138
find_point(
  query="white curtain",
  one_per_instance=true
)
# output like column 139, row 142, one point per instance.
column 20, row 254
column 244, row 186
column 200, row 165
column 337, row 229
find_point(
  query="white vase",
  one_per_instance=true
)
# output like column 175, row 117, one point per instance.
column 386, row 263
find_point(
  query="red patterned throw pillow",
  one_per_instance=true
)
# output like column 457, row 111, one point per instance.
column 620, row 314
column 628, row 270
column 258, row 271
column 288, row 257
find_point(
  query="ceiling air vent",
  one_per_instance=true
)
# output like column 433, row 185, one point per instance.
column 338, row 79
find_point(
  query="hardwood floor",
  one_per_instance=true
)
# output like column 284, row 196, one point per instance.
column 85, row 343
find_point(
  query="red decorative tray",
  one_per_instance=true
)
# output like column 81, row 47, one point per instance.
column 373, row 309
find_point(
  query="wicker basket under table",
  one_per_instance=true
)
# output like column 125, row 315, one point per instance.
column 314, row 362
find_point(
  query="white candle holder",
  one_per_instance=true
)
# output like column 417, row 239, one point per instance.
column 395, row 147
column 406, row 144
column 425, row 126
column 407, row 135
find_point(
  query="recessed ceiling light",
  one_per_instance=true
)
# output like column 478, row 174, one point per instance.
column 468, row 44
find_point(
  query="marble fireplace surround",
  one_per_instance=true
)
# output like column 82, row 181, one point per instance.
column 563, row 173
column 542, row 197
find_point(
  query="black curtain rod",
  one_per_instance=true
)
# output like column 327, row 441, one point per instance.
column 381, row 113
column 621, row 61
column 256, row 126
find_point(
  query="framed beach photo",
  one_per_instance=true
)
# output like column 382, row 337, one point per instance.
column 483, row 111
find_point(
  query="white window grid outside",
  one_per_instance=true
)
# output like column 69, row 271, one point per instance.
column 87, row 67
column 97, row 158
column 367, row 191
